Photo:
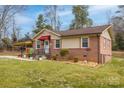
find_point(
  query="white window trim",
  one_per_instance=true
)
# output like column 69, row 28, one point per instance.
column 55, row 44
column 82, row 42
column 36, row 44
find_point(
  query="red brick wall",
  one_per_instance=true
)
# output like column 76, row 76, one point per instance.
column 92, row 53
column 34, row 45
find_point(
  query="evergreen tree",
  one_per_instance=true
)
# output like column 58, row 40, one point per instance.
column 120, row 40
column 41, row 24
column 118, row 28
column 81, row 17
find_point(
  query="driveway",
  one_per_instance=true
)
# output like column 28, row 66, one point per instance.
column 15, row 57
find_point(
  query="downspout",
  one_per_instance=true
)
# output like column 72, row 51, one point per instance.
column 98, row 48
column 50, row 46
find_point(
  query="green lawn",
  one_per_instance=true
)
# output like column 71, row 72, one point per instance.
column 14, row 73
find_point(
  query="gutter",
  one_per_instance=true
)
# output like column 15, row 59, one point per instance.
column 81, row 34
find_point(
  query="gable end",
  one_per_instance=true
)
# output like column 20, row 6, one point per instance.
column 39, row 33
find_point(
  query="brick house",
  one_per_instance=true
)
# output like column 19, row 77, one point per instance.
column 91, row 44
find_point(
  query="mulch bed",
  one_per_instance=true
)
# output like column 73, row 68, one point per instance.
column 89, row 64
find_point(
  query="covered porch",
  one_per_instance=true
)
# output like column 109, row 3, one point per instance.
column 42, row 45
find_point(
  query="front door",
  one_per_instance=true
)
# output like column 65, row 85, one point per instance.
column 46, row 46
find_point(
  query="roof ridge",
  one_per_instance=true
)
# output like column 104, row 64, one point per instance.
column 94, row 26
column 85, row 28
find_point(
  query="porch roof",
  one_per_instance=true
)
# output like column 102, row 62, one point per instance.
column 44, row 37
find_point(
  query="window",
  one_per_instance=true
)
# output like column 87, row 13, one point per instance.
column 38, row 44
column 46, row 42
column 85, row 42
column 57, row 43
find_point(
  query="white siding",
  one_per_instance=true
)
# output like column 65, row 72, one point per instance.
column 106, row 34
column 45, row 33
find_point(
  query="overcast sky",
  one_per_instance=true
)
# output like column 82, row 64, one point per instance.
column 97, row 13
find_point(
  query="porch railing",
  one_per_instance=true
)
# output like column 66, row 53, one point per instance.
column 39, row 52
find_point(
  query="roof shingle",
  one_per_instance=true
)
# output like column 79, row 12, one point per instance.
column 89, row 30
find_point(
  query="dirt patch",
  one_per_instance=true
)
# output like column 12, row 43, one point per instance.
column 90, row 64
column 119, row 54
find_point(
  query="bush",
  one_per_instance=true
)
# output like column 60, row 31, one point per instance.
column 75, row 59
column 64, row 52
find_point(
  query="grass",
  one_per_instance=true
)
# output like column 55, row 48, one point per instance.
column 14, row 73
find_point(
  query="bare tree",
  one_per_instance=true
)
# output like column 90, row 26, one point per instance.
column 14, row 37
column 15, row 31
column 118, row 19
column 6, row 14
column 109, row 16
column 52, row 15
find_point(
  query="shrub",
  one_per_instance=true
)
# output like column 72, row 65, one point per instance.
column 64, row 52
column 75, row 59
